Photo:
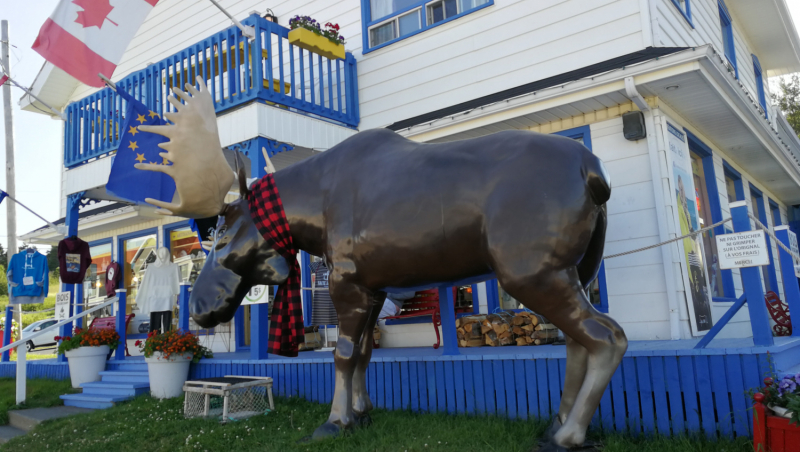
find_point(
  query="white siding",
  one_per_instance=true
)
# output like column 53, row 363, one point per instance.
column 672, row 30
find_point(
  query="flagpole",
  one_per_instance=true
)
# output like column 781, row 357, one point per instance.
column 247, row 31
column 11, row 211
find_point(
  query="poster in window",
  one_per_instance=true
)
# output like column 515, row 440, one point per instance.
column 697, row 290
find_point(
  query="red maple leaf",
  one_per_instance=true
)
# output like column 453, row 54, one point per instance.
column 94, row 13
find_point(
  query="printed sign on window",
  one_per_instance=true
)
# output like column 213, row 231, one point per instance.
column 257, row 295
column 62, row 305
column 742, row 249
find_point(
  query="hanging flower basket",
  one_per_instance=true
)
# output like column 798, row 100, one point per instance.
column 307, row 34
column 168, row 357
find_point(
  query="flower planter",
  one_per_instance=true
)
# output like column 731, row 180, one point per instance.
column 167, row 375
column 86, row 363
column 307, row 39
column 773, row 432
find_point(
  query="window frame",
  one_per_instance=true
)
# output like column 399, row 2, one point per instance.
column 368, row 24
column 492, row 295
column 100, row 242
column 760, row 91
column 775, row 210
column 120, row 258
column 687, row 14
column 728, row 40
column 697, row 146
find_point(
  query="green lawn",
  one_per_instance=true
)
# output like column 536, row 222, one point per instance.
column 41, row 393
column 148, row 424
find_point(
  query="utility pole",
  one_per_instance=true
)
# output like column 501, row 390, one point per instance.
column 11, row 209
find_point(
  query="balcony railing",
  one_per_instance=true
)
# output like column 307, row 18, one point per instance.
column 283, row 75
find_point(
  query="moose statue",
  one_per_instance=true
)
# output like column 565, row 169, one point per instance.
column 386, row 214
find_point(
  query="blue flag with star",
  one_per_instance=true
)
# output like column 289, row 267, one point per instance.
column 135, row 146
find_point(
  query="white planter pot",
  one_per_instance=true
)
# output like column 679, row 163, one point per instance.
column 167, row 376
column 86, row 363
column 782, row 412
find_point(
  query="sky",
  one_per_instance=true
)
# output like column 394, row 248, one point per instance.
column 37, row 138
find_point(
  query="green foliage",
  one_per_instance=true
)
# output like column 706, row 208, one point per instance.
column 788, row 100
column 173, row 342
column 52, row 260
column 3, row 280
column 88, row 338
column 123, row 427
column 41, row 393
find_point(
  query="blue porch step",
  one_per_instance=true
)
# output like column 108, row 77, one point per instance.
column 115, row 386
column 127, row 376
column 92, row 401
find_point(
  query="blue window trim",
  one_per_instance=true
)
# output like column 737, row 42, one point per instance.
column 757, row 197
column 726, row 24
column 697, row 146
column 686, row 14
column 365, row 15
column 492, row 295
column 104, row 241
column 132, row 235
column 737, row 180
column 425, row 319
column 775, row 209
column 762, row 96
column 305, row 281
column 169, row 228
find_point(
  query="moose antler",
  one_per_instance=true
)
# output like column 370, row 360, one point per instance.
column 202, row 176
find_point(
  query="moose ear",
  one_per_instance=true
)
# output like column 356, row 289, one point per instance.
column 244, row 192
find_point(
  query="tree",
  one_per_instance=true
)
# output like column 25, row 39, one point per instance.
column 3, row 257
column 788, row 100
column 52, row 258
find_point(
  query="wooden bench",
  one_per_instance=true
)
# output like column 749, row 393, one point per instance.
column 426, row 303
column 779, row 312
column 110, row 323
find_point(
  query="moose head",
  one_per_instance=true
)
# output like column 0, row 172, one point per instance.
column 239, row 258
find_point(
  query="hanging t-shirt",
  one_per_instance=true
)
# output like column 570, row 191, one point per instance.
column 113, row 275
column 73, row 260
column 322, row 310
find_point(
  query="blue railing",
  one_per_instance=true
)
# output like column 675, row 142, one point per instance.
column 284, row 75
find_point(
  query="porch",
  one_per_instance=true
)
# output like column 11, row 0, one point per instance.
column 664, row 387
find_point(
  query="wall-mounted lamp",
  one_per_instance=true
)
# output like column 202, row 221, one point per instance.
column 270, row 16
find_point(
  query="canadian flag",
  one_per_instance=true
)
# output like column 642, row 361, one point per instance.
column 89, row 37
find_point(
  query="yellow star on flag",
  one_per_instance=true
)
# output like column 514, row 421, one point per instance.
column 141, row 119
column 133, row 131
column 153, row 163
column 153, row 114
column 165, row 162
column 140, row 158
column 132, row 146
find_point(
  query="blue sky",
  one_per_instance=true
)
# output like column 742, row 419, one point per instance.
column 37, row 137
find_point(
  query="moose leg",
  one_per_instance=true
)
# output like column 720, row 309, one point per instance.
column 362, row 405
column 577, row 361
column 560, row 297
column 353, row 305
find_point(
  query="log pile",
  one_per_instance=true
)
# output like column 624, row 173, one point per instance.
column 505, row 328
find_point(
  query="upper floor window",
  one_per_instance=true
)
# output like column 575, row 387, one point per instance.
column 762, row 96
column 685, row 7
column 727, row 36
column 391, row 20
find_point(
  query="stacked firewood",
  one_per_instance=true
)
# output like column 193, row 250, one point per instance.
column 505, row 328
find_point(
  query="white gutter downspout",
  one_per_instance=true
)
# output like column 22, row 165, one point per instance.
column 633, row 94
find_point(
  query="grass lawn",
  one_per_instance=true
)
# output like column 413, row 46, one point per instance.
column 147, row 424
column 41, row 393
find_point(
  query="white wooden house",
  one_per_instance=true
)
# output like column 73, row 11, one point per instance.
column 444, row 70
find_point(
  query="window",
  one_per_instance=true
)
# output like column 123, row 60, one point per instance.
column 705, row 219
column 762, row 96
column 685, row 7
column 186, row 253
column 136, row 253
column 94, row 284
column 390, row 20
column 727, row 36
column 733, row 183
column 776, row 213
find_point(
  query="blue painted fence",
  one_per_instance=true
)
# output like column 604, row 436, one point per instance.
column 282, row 74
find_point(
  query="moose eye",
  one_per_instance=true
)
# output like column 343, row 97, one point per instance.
column 221, row 231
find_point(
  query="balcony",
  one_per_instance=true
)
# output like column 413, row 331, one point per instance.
column 283, row 76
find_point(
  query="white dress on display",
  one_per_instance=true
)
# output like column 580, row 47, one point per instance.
column 159, row 288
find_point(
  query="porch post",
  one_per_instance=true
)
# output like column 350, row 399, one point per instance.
column 7, row 333
column 751, row 280
column 71, row 221
column 183, row 306
column 448, row 317
column 78, row 303
column 791, row 291
column 66, row 329
column 121, row 311
column 259, row 330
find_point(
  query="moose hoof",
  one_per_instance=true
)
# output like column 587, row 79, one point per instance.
column 550, row 446
column 326, row 430
column 363, row 420
column 552, row 429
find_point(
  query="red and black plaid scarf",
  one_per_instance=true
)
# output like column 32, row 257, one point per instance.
column 286, row 322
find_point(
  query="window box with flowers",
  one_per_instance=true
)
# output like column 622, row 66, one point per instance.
column 306, row 33
column 776, row 415
column 168, row 356
column 87, row 352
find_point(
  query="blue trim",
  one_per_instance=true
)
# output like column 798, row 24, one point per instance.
column 728, row 41
column 365, row 14
column 758, row 199
column 305, row 277
column 762, row 96
column 104, row 241
column 737, row 180
column 132, row 235
column 171, row 227
column 714, row 206
column 686, row 14
column 776, row 213
column 238, row 325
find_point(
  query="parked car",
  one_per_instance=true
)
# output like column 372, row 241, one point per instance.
column 45, row 339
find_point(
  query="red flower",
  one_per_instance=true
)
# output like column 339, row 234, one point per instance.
column 138, row 343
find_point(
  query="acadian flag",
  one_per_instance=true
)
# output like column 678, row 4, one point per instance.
column 87, row 37
column 3, row 80
column 135, row 146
